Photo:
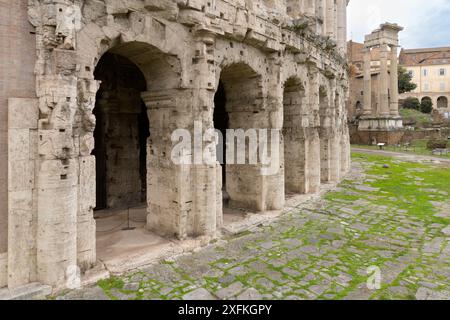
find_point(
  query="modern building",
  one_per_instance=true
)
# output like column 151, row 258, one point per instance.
column 430, row 70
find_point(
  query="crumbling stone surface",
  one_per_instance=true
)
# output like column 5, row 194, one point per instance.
column 281, row 64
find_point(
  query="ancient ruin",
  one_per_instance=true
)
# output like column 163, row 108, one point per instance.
column 91, row 128
column 380, row 120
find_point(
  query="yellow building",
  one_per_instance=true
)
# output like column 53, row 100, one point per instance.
column 430, row 70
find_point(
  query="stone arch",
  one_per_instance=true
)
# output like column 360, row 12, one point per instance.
column 233, row 53
column 294, row 108
column 147, row 50
column 162, row 76
column 442, row 102
column 121, row 133
column 239, row 105
column 426, row 98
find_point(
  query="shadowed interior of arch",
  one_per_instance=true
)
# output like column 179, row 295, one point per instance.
column 121, row 134
column 442, row 102
column 236, row 107
column 294, row 139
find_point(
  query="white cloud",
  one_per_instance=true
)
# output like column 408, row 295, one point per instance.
column 426, row 23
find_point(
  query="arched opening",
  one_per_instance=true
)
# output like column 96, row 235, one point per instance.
column 294, row 138
column 237, row 106
column 121, row 134
column 426, row 99
column 442, row 102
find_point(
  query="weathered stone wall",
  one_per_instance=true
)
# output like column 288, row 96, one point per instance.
column 17, row 60
column 183, row 49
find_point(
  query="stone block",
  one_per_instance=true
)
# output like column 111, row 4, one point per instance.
column 21, row 175
column 18, row 144
column 23, row 113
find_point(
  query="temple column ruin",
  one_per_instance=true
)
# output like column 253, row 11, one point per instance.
column 384, row 76
column 367, row 84
column 379, row 121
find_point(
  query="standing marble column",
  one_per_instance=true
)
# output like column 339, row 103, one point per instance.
column 367, row 83
column 394, row 82
column 384, row 77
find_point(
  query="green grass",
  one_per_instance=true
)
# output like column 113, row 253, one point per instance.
column 402, row 187
column 418, row 117
column 400, row 184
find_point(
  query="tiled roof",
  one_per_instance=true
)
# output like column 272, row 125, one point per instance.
column 425, row 56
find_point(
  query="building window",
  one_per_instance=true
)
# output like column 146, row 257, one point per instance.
column 426, row 87
column 442, row 72
column 411, row 73
column 425, row 72
column 442, row 86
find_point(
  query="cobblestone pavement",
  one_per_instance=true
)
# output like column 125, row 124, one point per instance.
column 389, row 215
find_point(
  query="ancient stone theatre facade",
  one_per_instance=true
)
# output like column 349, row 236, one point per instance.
column 92, row 90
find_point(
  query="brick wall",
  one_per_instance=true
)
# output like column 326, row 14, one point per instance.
column 17, row 59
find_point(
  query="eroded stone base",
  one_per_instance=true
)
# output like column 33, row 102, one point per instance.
column 375, row 137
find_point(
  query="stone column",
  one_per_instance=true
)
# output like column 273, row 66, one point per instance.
column 57, row 180
column 367, row 84
column 330, row 19
column 384, row 76
column 342, row 25
column 294, row 8
column 394, row 82
column 313, row 169
column 309, row 7
column 321, row 14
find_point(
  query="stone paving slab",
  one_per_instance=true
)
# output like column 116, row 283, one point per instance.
column 377, row 223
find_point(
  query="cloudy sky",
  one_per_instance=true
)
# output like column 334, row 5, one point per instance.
column 426, row 22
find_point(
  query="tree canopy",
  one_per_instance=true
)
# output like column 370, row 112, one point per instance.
column 405, row 83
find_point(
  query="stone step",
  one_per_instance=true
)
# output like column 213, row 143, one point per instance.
column 32, row 291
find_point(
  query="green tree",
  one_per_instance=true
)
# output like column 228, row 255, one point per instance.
column 405, row 83
column 411, row 103
column 426, row 106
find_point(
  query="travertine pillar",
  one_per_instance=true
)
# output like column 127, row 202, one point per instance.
column 342, row 25
column 384, row 76
column 394, row 82
column 294, row 8
column 367, row 83
column 312, row 136
column 309, row 7
column 330, row 19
